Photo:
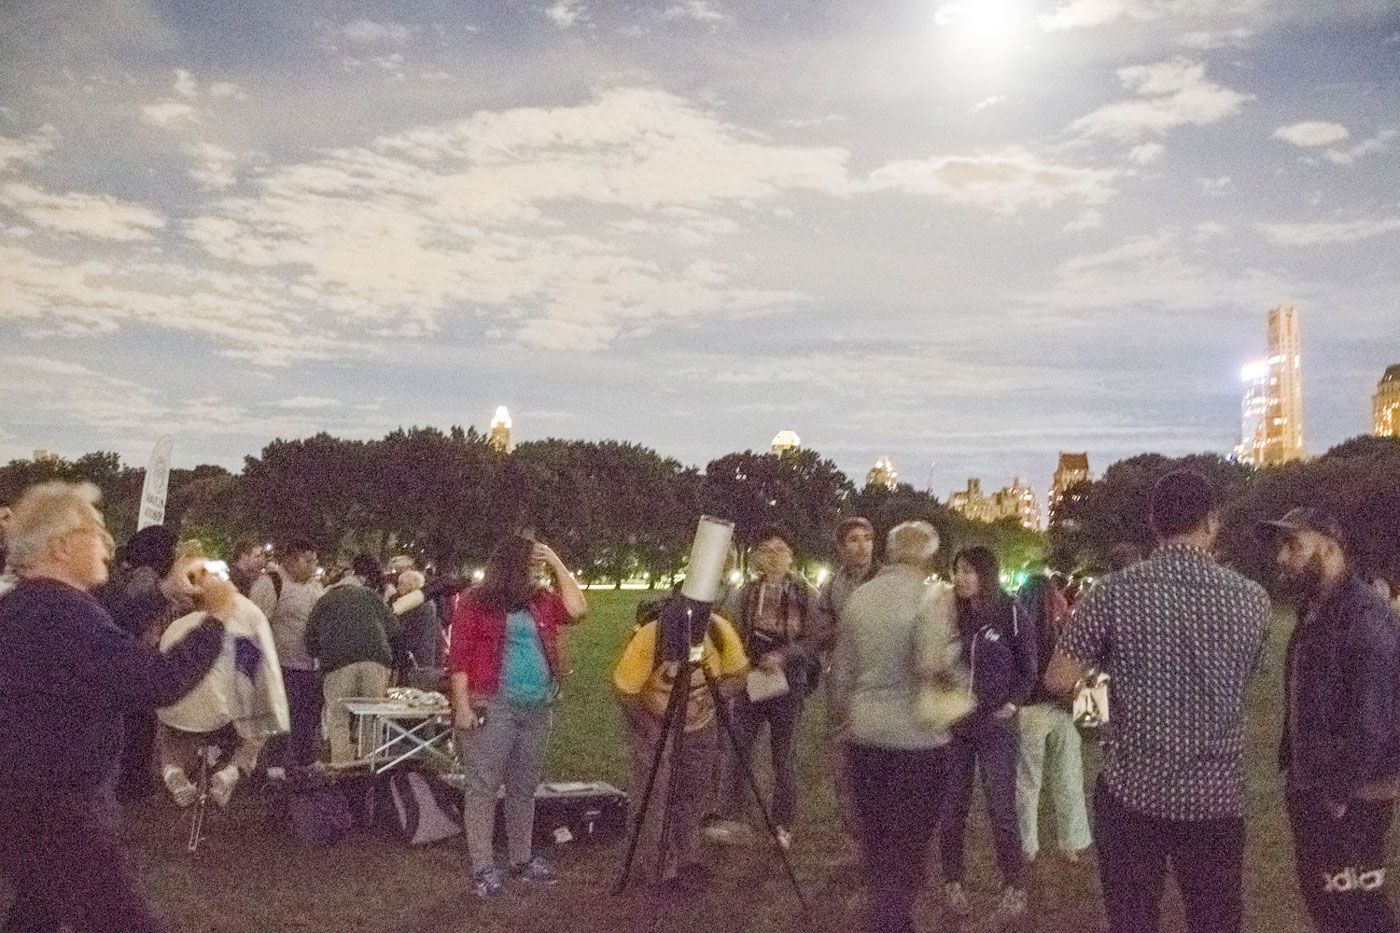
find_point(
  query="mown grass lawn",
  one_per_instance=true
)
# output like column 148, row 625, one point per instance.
column 251, row 875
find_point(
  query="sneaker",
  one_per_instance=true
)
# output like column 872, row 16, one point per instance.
column 222, row 783
column 784, row 837
column 536, row 870
column 956, row 899
column 276, row 774
column 1011, row 906
column 181, row 790
column 489, row 882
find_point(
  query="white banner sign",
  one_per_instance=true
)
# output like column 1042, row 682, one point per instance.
column 157, row 482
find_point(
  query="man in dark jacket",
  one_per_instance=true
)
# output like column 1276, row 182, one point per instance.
column 1340, row 752
column 349, row 633
column 67, row 676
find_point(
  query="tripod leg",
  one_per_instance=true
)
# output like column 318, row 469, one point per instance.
column 675, row 705
column 722, row 711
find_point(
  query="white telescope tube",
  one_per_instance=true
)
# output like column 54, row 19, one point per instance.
column 708, row 554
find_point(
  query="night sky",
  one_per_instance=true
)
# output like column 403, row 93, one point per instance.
column 962, row 234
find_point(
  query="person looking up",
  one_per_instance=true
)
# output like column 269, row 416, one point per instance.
column 505, row 665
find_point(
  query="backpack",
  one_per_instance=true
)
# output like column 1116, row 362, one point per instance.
column 319, row 815
column 419, row 807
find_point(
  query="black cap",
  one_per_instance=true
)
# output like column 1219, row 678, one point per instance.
column 1303, row 518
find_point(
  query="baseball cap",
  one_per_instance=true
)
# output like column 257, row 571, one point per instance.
column 1303, row 518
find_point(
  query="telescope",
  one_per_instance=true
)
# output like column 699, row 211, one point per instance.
column 685, row 618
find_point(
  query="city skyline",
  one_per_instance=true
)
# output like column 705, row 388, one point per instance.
column 913, row 230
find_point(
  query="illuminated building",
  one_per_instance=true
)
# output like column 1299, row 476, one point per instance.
column 1386, row 403
column 1016, row 501
column 45, row 456
column 882, row 474
column 1072, row 470
column 1272, row 407
column 785, row 441
column 499, row 437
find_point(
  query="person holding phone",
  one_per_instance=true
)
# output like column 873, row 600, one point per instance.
column 505, row 664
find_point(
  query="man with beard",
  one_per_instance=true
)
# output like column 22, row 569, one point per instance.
column 1340, row 751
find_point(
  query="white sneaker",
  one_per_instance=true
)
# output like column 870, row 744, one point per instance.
column 784, row 837
column 178, row 783
column 222, row 783
column 956, row 899
column 725, row 832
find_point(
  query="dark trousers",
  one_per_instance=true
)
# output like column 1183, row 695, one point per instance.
column 896, row 795
column 1135, row 852
column 991, row 746
column 305, row 699
column 1341, row 863
column 782, row 715
column 138, row 750
column 62, row 854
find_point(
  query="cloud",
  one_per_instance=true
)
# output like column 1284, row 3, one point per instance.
column 565, row 13
column 255, row 319
column 469, row 217
column 1004, row 181
column 699, row 10
column 1083, row 14
column 56, row 391
column 1160, row 271
column 369, row 32
column 1323, row 233
column 213, row 169
column 1204, row 41
column 1144, row 153
column 185, row 84
column 988, row 102
column 1170, row 94
column 168, row 113
column 94, row 215
column 307, row 402
column 1378, row 143
column 1312, row 133
column 28, row 148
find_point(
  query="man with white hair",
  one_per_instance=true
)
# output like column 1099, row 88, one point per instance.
column 898, row 685
column 67, row 675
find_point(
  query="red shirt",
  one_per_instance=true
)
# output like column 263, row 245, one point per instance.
column 479, row 640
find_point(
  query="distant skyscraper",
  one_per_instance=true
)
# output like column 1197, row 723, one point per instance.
column 1272, row 408
column 45, row 456
column 784, row 441
column 499, row 437
column 1386, row 403
column 1069, row 472
column 1016, row 501
column 882, row 474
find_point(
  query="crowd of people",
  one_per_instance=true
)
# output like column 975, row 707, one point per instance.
column 930, row 687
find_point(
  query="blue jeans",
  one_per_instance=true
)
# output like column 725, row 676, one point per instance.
column 991, row 746
column 782, row 715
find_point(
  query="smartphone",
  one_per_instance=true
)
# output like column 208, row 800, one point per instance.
column 217, row 567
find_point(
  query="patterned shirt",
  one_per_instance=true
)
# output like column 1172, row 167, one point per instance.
column 1180, row 636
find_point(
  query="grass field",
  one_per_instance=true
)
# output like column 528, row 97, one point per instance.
column 250, row 875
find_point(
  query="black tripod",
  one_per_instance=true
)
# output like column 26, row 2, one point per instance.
column 673, row 735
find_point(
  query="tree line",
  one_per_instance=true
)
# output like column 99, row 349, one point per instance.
column 616, row 510
column 613, row 510
column 1358, row 481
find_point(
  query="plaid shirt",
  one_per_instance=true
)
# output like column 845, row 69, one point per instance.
column 1180, row 636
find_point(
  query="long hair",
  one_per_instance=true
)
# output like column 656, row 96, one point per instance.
column 508, row 582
